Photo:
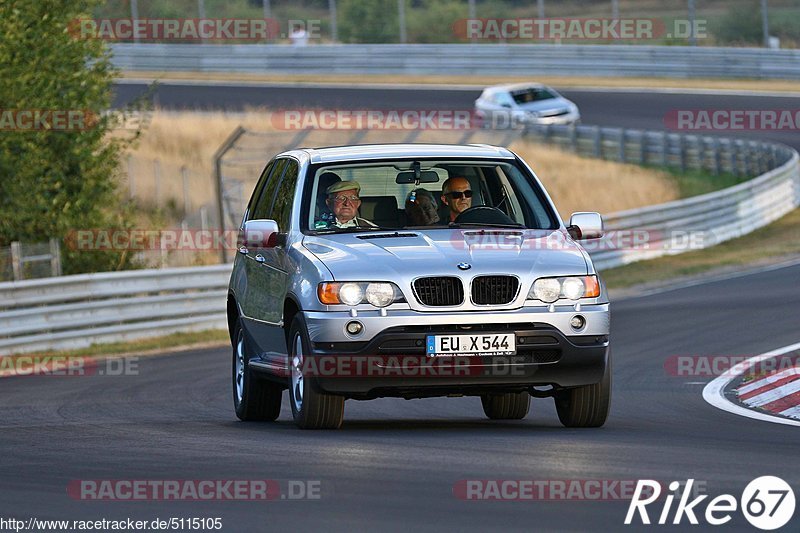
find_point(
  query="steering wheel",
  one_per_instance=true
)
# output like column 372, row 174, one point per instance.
column 483, row 214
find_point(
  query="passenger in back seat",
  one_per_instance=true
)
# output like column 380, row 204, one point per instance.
column 421, row 208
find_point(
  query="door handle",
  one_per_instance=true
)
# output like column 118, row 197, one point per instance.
column 260, row 258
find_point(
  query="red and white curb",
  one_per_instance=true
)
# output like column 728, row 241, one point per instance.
column 775, row 394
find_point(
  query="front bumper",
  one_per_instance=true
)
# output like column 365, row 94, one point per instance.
column 545, row 355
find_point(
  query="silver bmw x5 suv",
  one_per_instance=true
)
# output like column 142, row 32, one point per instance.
column 412, row 271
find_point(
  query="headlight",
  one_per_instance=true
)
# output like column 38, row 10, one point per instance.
column 380, row 294
column 352, row 293
column 549, row 290
column 572, row 288
column 546, row 290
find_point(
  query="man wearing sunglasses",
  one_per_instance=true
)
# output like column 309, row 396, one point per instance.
column 344, row 202
column 457, row 195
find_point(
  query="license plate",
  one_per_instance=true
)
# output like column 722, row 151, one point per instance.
column 484, row 344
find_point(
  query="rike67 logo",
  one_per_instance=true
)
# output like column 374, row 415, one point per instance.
column 767, row 502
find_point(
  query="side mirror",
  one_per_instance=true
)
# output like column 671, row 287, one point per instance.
column 585, row 225
column 260, row 234
column 506, row 105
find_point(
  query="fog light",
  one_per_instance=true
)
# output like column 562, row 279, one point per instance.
column 354, row 328
column 577, row 322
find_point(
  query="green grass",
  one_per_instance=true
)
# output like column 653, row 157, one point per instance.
column 152, row 344
column 697, row 182
column 781, row 239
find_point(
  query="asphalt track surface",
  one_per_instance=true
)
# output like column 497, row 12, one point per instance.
column 394, row 463
column 618, row 108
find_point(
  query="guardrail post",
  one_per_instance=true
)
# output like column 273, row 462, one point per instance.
column 598, row 142
column 748, row 159
column 55, row 257
column 664, row 149
column 643, row 148
column 573, row 137
column 732, row 157
column 682, row 151
column 717, row 161
column 622, row 145
column 16, row 260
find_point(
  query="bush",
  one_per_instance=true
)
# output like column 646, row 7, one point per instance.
column 741, row 26
column 53, row 181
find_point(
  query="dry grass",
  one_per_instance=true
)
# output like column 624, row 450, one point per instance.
column 190, row 139
column 584, row 184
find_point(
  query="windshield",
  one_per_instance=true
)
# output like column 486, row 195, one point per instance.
column 534, row 94
column 424, row 194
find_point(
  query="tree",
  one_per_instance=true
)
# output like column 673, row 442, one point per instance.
column 53, row 181
column 368, row 21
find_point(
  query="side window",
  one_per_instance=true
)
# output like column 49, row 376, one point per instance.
column 282, row 207
column 262, row 207
column 262, row 181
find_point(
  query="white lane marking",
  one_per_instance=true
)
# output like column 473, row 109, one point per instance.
column 773, row 378
column 774, row 394
column 794, row 412
column 713, row 393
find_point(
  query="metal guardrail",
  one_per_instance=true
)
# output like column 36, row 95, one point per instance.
column 460, row 59
column 706, row 220
column 77, row 311
column 73, row 312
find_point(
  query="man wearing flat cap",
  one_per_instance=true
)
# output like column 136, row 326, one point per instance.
column 343, row 200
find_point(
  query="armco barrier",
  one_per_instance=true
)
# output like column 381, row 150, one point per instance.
column 460, row 59
column 74, row 312
column 77, row 311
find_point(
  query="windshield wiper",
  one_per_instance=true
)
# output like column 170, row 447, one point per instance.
column 482, row 224
column 354, row 229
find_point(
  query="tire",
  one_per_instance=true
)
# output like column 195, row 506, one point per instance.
column 586, row 406
column 508, row 406
column 254, row 398
column 311, row 408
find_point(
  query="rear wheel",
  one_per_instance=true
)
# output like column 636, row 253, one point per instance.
column 254, row 398
column 508, row 406
column 311, row 408
column 587, row 406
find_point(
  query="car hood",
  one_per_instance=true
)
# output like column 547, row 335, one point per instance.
column 405, row 255
column 551, row 104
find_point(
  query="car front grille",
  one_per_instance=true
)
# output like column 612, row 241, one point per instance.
column 439, row 292
column 494, row 290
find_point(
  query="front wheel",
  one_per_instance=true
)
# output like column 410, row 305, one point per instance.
column 311, row 408
column 586, row 406
column 253, row 398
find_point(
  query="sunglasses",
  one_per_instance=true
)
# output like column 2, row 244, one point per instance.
column 457, row 195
